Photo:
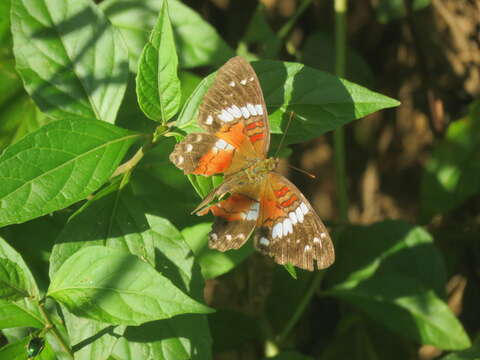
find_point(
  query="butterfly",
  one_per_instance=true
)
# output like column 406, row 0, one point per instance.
column 253, row 198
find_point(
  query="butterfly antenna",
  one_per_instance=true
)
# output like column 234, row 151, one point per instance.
column 292, row 115
column 302, row 171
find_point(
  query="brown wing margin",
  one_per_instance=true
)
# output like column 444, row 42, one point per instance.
column 289, row 229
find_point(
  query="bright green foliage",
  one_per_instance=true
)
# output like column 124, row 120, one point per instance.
column 451, row 175
column 69, row 70
column 158, row 86
column 57, row 165
column 136, row 295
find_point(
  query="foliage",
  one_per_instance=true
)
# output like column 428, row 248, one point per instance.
column 98, row 252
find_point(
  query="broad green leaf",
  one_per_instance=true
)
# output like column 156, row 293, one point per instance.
column 198, row 42
column 116, row 287
column 158, row 86
column 321, row 102
column 389, row 10
column 181, row 337
column 73, row 62
column 15, row 276
column 470, row 354
column 397, row 277
column 12, row 281
column 19, row 118
column 4, row 19
column 57, row 165
column 212, row 262
column 189, row 82
column 20, row 313
column 451, row 174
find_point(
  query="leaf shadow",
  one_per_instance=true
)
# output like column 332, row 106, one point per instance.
column 89, row 83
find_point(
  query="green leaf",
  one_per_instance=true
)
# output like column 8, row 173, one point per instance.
column 320, row 101
column 57, row 165
column 4, row 19
column 158, row 86
column 11, row 85
column 470, row 354
column 15, row 276
column 212, row 262
column 20, row 313
column 189, row 82
column 451, row 174
column 389, row 10
column 397, row 277
column 115, row 287
column 290, row 355
column 12, row 281
column 18, row 118
column 73, row 62
column 198, row 42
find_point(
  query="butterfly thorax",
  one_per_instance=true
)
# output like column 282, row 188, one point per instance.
column 257, row 171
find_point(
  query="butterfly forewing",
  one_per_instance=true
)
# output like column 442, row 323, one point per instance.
column 289, row 229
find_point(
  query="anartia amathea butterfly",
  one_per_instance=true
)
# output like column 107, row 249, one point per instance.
column 261, row 201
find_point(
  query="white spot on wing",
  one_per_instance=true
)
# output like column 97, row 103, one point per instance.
column 236, row 111
column 225, row 116
column 251, row 79
column 180, row 160
column 277, row 230
column 287, row 227
column 213, row 236
column 209, row 120
column 232, row 83
column 253, row 212
column 243, row 82
column 264, row 241
column 259, row 109
column 228, row 237
column 189, row 148
column 323, row 235
column 252, row 109
column 245, row 112
column 304, row 208
column 241, row 236
column 299, row 214
column 293, row 217
column 307, row 248
column 316, row 240
column 221, row 144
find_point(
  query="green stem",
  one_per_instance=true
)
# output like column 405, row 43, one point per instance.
column 287, row 27
column 49, row 326
column 338, row 135
column 314, row 284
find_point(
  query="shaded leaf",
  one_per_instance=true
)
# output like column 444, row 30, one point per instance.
column 470, row 354
column 396, row 277
column 198, row 42
column 57, row 165
column 73, row 62
column 451, row 174
column 115, row 287
column 20, row 313
column 290, row 355
column 158, row 86
column 16, row 277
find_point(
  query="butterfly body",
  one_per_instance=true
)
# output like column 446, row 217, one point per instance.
column 261, row 201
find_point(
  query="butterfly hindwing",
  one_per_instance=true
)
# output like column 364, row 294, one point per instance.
column 289, row 230
column 235, row 219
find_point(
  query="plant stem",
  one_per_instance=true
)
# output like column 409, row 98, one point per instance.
column 287, row 27
column 338, row 135
column 49, row 326
column 134, row 160
column 314, row 284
